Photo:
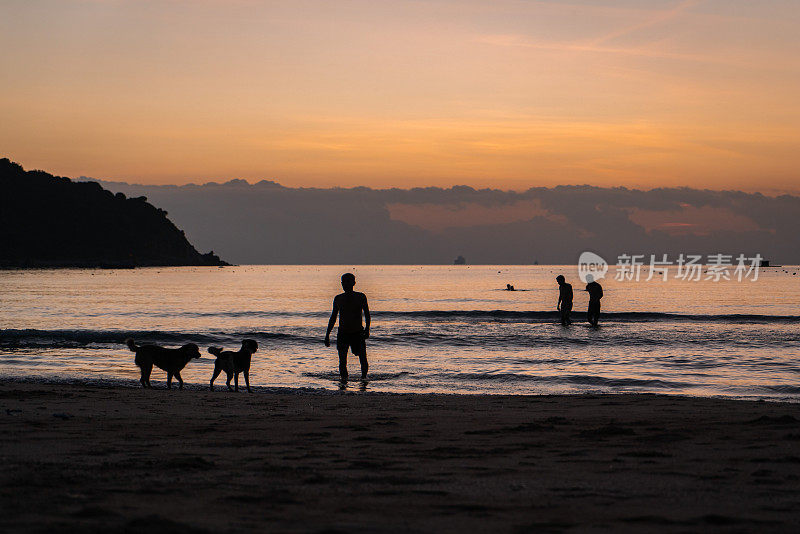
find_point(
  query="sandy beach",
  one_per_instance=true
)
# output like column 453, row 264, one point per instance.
column 89, row 458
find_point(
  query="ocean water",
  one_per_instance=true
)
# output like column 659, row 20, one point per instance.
column 450, row 329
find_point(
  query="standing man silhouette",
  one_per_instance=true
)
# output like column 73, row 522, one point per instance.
column 564, row 304
column 595, row 294
column 351, row 335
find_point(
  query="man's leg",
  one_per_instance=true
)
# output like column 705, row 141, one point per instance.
column 362, row 358
column 594, row 313
column 565, row 310
column 342, row 362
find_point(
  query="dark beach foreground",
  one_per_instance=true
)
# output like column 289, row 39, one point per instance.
column 91, row 458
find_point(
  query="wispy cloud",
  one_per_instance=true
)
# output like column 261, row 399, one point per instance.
column 603, row 44
column 522, row 41
column 660, row 17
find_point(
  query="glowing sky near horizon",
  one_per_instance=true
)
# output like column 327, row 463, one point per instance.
column 504, row 94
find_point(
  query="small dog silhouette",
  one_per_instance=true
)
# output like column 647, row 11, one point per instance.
column 234, row 363
column 170, row 360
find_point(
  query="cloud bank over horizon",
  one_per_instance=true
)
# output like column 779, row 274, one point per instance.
column 269, row 223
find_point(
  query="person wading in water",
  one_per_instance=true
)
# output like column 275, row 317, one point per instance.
column 352, row 334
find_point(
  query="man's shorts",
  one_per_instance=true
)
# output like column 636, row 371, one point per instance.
column 353, row 341
column 594, row 307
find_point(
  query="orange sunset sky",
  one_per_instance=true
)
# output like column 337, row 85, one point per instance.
column 503, row 94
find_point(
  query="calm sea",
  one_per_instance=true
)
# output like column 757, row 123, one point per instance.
column 435, row 328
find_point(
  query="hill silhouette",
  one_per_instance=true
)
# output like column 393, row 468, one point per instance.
column 51, row 221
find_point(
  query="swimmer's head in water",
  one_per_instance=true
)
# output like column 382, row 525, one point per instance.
column 560, row 278
column 348, row 280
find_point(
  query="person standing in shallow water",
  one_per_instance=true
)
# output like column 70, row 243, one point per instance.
column 349, row 307
column 595, row 294
column 564, row 304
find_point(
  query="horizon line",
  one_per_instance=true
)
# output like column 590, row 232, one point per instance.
column 276, row 184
